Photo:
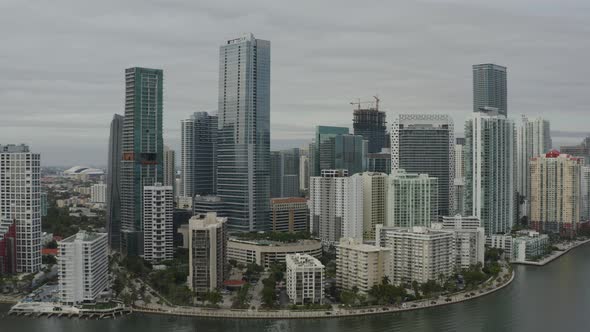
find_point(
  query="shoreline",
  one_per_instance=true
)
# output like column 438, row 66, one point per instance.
column 557, row 254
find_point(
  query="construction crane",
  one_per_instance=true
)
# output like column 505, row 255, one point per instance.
column 372, row 103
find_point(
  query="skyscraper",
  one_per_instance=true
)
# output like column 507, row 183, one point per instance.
column 170, row 168
column 374, row 198
column 425, row 144
column 489, row 171
column 284, row 173
column 158, row 209
column 370, row 124
column 580, row 150
column 113, row 211
column 197, row 155
column 489, row 88
column 20, row 201
column 143, row 150
column 411, row 199
column 243, row 149
column 321, row 151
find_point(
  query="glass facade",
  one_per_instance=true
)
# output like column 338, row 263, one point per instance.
column 198, row 162
column 114, row 183
column 489, row 88
column 284, row 173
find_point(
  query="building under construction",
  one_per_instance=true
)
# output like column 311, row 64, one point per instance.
column 369, row 122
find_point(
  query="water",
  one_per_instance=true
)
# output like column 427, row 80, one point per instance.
column 550, row 298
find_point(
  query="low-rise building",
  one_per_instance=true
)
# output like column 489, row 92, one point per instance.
column 418, row 253
column 289, row 214
column 529, row 246
column 469, row 239
column 305, row 279
column 361, row 265
column 501, row 241
column 82, row 267
column 266, row 252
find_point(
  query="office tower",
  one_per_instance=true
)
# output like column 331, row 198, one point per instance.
column 197, row 155
column 350, row 152
column 585, row 192
column 580, row 150
column 83, row 267
column 533, row 139
column 305, row 279
column 411, row 199
column 113, row 209
column 158, row 209
column 374, row 198
column 208, row 203
column 207, row 253
column 170, row 169
column 289, row 214
column 44, row 204
column 7, row 246
column 555, row 193
column 142, row 150
column 284, row 173
column 20, row 201
column 369, row 123
column 469, row 239
column 425, row 144
column 303, row 173
column 418, row 253
column 336, row 206
column 98, row 193
column 379, row 162
column 489, row 88
column 321, row 151
column 361, row 266
column 243, row 149
column 489, row 171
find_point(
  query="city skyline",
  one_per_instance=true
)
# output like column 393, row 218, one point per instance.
column 69, row 98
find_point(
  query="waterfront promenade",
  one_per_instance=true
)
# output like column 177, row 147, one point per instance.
column 563, row 249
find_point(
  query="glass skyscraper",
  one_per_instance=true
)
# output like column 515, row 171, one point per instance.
column 489, row 88
column 197, row 155
column 143, row 149
column 243, row 144
column 321, row 151
column 284, row 173
column 113, row 212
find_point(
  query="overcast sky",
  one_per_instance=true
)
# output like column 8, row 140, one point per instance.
column 62, row 63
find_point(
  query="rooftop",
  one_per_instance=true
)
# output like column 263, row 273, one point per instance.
column 303, row 260
column 84, row 236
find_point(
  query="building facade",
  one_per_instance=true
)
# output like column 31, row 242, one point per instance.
column 489, row 88
column 370, row 124
column 425, row 144
column 375, row 186
column 20, row 201
column 530, row 246
column 243, row 144
column 289, row 214
column 580, row 150
column 379, row 162
column 7, row 247
column 158, row 210
column 469, row 239
column 113, row 205
column 170, row 168
column 361, row 265
column 266, row 253
column 98, row 193
column 305, row 279
column 585, row 193
column 83, row 264
column 284, row 173
column 142, row 150
column 321, row 151
column 412, row 199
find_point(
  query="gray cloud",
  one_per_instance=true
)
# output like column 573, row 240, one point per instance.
column 62, row 62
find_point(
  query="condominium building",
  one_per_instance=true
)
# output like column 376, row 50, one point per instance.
column 336, row 206
column 469, row 239
column 142, row 150
column 83, row 265
column 555, row 193
column 374, row 197
column 425, row 144
column 501, row 241
column 243, row 143
column 170, row 168
column 418, row 253
column 20, row 201
column 7, row 247
column 158, row 209
column 490, row 171
column 411, row 199
column 207, row 247
column 113, row 199
column 305, row 279
column 266, row 252
column 585, row 193
column 533, row 139
column 361, row 265
column 289, row 214
column 284, row 173
column 198, row 155
column 489, row 88
column 98, row 193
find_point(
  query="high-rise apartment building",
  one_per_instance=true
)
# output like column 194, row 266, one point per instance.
column 284, row 173
column 321, row 151
column 490, row 171
column 459, row 181
column 113, row 209
column 243, row 145
column 142, row 150
column 20, row 201
column 289, row 214
column 170, row 169
column 305, row 279
column 198, row 155
column 336, row 206
column 361, row 266
column 489, row 88
column 533, row 139
column 418, row 253
column 374, row 198
column 555, row 193
column 83, row 264
column 585, row 193
column 425, row 144
column 411, row 199
column 469, row 239
column 207, row 252
column 98, row 193
column 7, row 246
column 303, row 173
column 158, row 210
column 370, row 124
